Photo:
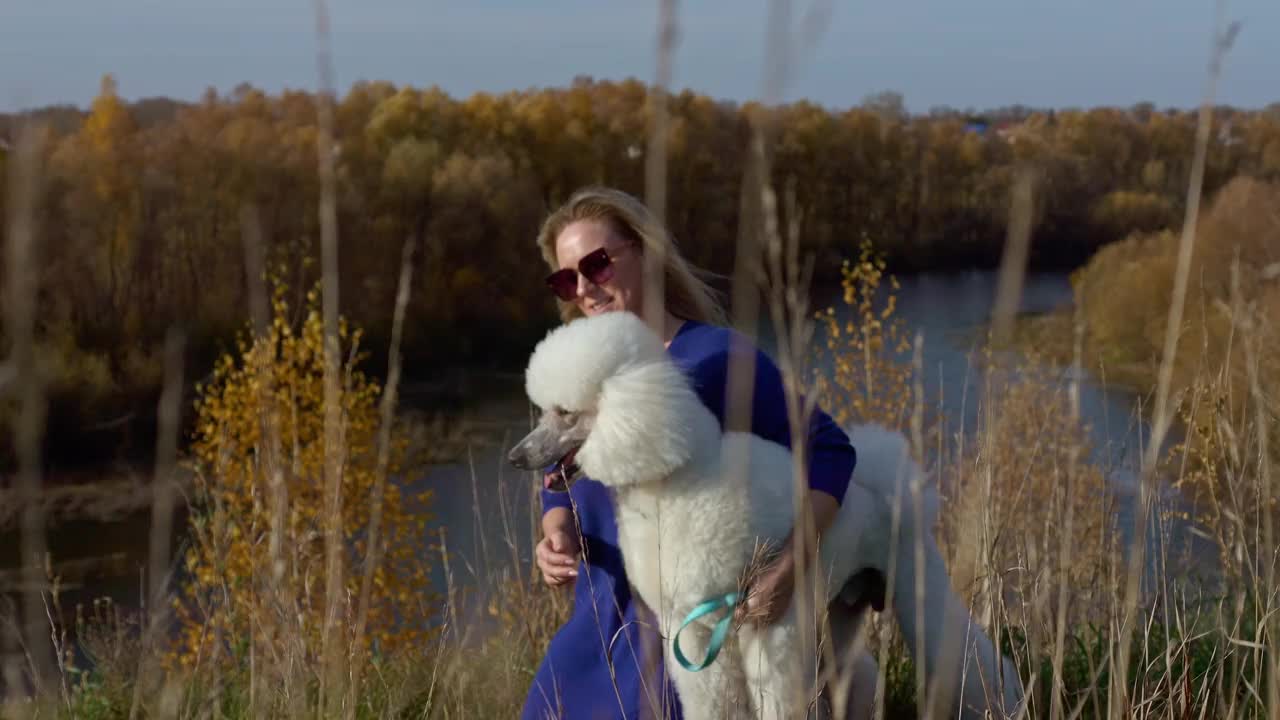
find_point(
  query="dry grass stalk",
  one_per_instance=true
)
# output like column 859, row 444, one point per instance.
column 157, row 605
column 655, row 260
column 387, row 407
column 1162, row 418
column 655, row 162
column 334, row 650
column 270, row 458
column 20, row 303
column 788, row 284
column 1013, row 265
column 1251, row 322
column 785, row 279
column 1067, row 544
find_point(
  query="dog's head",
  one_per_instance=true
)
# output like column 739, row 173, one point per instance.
column 554, row 443
column 614, row 406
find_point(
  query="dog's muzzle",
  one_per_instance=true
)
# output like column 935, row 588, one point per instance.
column 541, row 449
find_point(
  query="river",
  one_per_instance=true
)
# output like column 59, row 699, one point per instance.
column 484, row 507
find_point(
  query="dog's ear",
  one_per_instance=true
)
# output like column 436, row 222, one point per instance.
column 647, row 417
column 570, row 365
column 647, row 425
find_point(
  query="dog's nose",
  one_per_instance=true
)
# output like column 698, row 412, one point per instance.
column 517, row 458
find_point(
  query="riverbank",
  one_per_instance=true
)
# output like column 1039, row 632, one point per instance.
column 1050, row 337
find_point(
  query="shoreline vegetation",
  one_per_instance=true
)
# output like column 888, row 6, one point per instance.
column 1121, row 296
column 299, row 589
column 145, row 209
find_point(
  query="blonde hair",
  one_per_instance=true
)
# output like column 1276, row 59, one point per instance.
column 688, row 294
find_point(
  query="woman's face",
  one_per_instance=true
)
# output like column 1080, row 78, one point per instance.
column 623, row 290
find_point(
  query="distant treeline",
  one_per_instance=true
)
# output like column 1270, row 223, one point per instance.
column 142, row 206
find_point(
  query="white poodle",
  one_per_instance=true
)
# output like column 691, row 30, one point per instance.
column 693, row 505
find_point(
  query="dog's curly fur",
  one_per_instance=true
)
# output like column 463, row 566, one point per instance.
column 694, row 504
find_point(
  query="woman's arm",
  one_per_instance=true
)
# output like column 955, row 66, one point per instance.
column 557, row 554
column 552, row 499
column 831, row 458
column 830, row 467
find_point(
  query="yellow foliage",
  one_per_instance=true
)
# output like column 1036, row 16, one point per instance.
column 869, row 382
column 1122, row 211
column 1223, row 463
column 257, row 558
column 1025, row 468
column 1228, row 355
column 1005, row 481
column 1124, row 293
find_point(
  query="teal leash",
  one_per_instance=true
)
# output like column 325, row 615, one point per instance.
column 718, row 634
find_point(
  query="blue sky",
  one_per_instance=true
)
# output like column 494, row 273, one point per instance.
column 980, row 54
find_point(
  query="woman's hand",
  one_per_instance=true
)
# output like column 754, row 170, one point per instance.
column 558, row 552
column 769, row 595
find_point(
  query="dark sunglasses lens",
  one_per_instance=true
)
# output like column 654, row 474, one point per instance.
column 597, row 267
column 564, row 283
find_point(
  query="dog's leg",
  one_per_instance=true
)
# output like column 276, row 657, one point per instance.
column 962, row 663
column 853, row 696
column 852, row 686
column 779, row 674
column 718, row 691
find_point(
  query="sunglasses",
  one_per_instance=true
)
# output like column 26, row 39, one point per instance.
column 595, row 266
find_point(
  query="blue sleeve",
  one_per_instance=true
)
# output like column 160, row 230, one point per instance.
column 831, row 456
column 552, row 499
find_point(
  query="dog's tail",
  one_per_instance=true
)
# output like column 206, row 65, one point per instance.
column 886, row 469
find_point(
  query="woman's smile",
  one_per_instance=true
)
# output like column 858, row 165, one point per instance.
column 596, row 308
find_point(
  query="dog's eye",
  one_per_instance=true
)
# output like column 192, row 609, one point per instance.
column 564, row 413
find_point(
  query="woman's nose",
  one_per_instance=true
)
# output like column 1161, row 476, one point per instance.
column 584, row 285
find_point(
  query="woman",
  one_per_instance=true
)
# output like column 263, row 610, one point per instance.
column 605, row 662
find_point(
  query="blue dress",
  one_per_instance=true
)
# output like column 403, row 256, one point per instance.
column 605, row 661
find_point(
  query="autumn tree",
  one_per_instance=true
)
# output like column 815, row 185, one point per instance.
column 256, row 564
column 146, row 207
